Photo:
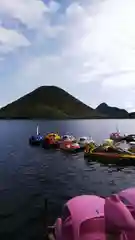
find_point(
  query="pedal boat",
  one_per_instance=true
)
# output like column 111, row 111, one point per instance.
column 110, row 155
column 90, row 217
column 70, row 146
column 83, row 141
column 51, row 141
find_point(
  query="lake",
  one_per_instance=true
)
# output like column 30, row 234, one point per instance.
column 30, row 175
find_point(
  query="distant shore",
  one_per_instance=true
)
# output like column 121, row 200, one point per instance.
column 62, row 119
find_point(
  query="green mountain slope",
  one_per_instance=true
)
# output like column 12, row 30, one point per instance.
column 112, row 112
column 132, row 115
column 48, row 102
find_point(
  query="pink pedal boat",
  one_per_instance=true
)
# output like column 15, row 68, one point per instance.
column 89, row 217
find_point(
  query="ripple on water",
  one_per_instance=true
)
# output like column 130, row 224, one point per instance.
column 28, row 176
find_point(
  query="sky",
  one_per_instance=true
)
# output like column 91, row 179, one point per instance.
column 86, row 47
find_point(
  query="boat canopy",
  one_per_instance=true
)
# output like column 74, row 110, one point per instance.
column 111, row 149
column 83, row 139
column 132, row 143
column 108, row 142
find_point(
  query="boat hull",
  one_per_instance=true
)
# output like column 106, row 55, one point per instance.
column 118, row 139
column 112, row 158
column 131, row 150
column 82, row 146
column 47, row 145
column 71, row 150
column 35, row 141
column 130, row 138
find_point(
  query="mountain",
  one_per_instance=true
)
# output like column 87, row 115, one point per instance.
column 48, row 102
column 132, row 115
column 112, row 112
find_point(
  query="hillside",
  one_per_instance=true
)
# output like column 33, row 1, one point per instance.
column 112, row 112
column 48, row 102
column 132, row 115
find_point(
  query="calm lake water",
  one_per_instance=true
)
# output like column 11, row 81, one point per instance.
column 30, row 175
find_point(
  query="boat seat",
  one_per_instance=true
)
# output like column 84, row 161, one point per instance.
column 93, row 229
column 67, row 232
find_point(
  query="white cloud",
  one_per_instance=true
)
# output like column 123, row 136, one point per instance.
column 95, row 43
column 53, row 6
column 122, row 80
column 10, row 40
column 32, row 13
column 105, row 41
column 29, row 12
column 48, row 70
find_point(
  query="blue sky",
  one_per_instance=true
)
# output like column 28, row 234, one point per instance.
column 86, row 47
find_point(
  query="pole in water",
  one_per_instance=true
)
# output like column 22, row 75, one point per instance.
column 37, row 130
column 117, row 129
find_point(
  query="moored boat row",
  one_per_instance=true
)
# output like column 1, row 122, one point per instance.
column 65, row 142
column 109, row 152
